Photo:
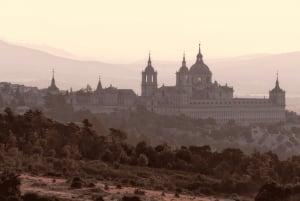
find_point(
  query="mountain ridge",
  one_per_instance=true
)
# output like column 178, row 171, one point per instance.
column 19, row 63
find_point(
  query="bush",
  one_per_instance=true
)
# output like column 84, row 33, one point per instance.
column 178, row 190
column 36, row 197
column 93, row 167
column 142, row 160
column 99, row 198
column 273, row 192
column 139, row 192
column 31, row 197
column 76, row 183
column 9, row 186
column 91, row 185
column 131, row 198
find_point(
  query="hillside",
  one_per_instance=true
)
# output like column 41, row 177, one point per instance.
column 36, row 145
column 282, row 139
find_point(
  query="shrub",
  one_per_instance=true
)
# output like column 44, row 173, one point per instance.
column 93, row 168
column 138, row 191
column 99, row 198
column 76, row 183
column 273, row 192
column 131, row 198
column 116, row 165
column 36, row 197
column 107, row 156
column 178, row 190
column 142, row 160
column 184, row 154
column 9, row 186
column 31, row 197
column 91, row 185
column 206, row 191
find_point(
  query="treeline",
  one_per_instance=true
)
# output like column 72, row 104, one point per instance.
column 35, row 143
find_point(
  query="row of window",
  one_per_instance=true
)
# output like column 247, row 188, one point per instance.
column 228, row 102
column 240, row 117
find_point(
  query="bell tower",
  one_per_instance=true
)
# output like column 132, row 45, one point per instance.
column 53, row 89
column 149, row 79
column 183, row 80
column 277, row 95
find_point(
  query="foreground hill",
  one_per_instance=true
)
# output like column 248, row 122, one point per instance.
column 32, row 143
column 280, row 138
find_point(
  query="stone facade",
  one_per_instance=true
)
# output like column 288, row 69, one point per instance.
column 196, row 96
column 102, row 100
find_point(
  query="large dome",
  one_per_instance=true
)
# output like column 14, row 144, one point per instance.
column 149, row 69
column 183, row 69
column 200, row 67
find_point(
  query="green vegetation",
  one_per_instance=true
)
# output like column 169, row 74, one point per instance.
column 36, row 144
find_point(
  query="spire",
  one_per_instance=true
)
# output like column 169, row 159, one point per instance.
column 277, row 82
column 53, row 86
column 183, row 60
column 277, row 87
column 53, row 79
column 149, row 60
column 183, row 69
column 99, row 86
column 199, row 56
column 149, row 68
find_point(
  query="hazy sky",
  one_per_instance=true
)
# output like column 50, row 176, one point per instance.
column 124, row 31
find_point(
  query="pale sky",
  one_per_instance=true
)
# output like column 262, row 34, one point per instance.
column 125, row 31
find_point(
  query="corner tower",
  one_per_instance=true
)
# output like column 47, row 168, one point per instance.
column 183, row 79
column 149, row 79
column 53, row 89
column 99, row 86
column 277, row 95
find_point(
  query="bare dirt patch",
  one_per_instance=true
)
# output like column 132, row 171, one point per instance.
column 60, row 188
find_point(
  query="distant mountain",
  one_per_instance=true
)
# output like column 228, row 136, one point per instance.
column 249, row 74
column 257, row 75
column 34, row 67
